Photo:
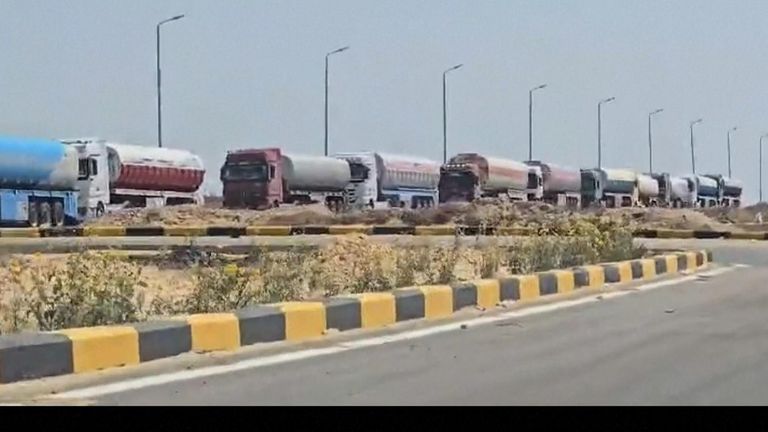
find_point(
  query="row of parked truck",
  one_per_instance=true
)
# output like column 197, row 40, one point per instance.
column 61, row 182
column 263, row 178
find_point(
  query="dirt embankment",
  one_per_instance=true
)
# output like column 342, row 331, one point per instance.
column 491, row 213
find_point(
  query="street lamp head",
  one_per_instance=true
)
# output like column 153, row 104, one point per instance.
column 176, row 18
column 605, row 101
column 735, row 128
column 696, row 121
column 339, row 50
column 657, row 111
column 543, row 86
column 458, row 66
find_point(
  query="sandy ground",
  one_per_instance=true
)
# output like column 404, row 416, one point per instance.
column 521, row 214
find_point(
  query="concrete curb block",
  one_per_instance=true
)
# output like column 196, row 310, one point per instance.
column 36, row 355
column 287, row 231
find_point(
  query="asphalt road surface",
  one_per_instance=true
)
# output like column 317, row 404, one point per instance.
column 699, row 341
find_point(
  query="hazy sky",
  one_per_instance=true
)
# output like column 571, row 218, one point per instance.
column 249, row 73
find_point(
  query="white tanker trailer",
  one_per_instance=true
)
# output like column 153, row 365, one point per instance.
column 387, row 180
column 561, row 185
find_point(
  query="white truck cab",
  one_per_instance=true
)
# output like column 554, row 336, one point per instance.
column 93, row 175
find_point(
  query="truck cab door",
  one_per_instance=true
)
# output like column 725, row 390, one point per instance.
column 93, row 181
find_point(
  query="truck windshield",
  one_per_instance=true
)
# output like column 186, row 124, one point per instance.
column 82, row 169
column 86, row 168
column 587, row 182
column 245, row 172
column 457, row 184
column 534, row 181
column 359, row 172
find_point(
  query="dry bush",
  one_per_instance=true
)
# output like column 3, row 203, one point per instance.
column 270, row 277
column 90, row 289
column 355, row 265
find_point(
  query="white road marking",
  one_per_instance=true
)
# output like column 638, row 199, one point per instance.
column 172, row 377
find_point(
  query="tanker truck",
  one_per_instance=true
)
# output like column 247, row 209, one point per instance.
column 663, row 180
column 682, row 192
column 266, row 178
column 609, row 188
column 385, row 180
column 648, row 191
column 696, row 191
column 37, row 182
column 470, row 176
column 113, row 175
column 707, row 191
column 730, row 190
column 561, row 185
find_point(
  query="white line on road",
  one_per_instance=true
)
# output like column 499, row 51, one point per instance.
column 157, row 380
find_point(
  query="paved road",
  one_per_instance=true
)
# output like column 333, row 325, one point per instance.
column 698, row 342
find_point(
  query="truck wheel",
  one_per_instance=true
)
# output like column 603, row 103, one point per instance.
column 58, row 213
column 32, row 214
column 45, row 214
column 100, row 209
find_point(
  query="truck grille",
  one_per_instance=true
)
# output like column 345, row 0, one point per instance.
column 351, row 195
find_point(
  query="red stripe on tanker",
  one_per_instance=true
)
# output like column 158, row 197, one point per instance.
column 152, row 168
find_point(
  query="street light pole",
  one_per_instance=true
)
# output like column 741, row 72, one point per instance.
column 760, row 160
column 325, row 146
column 445, row 112
column 600, row 130
column 693, row 154
column 650, row 139
column 729, row 149
column 159, row 93
column 530, row 120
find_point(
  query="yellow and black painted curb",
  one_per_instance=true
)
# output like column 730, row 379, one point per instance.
column 699, row 234
column 287, row 230
column 36, row 355
column 260, row 230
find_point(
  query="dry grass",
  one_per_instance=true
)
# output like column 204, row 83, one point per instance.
column 101, row 288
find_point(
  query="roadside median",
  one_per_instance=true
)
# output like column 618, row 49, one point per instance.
column 33, row 355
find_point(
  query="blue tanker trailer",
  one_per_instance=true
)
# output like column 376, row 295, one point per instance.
column 37, row 182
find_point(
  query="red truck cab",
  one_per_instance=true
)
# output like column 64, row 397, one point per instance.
column 252, row 178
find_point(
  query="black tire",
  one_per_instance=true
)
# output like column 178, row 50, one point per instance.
column 32, row 215
column 45, row 214
column 100, row 210
column 58, row 213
